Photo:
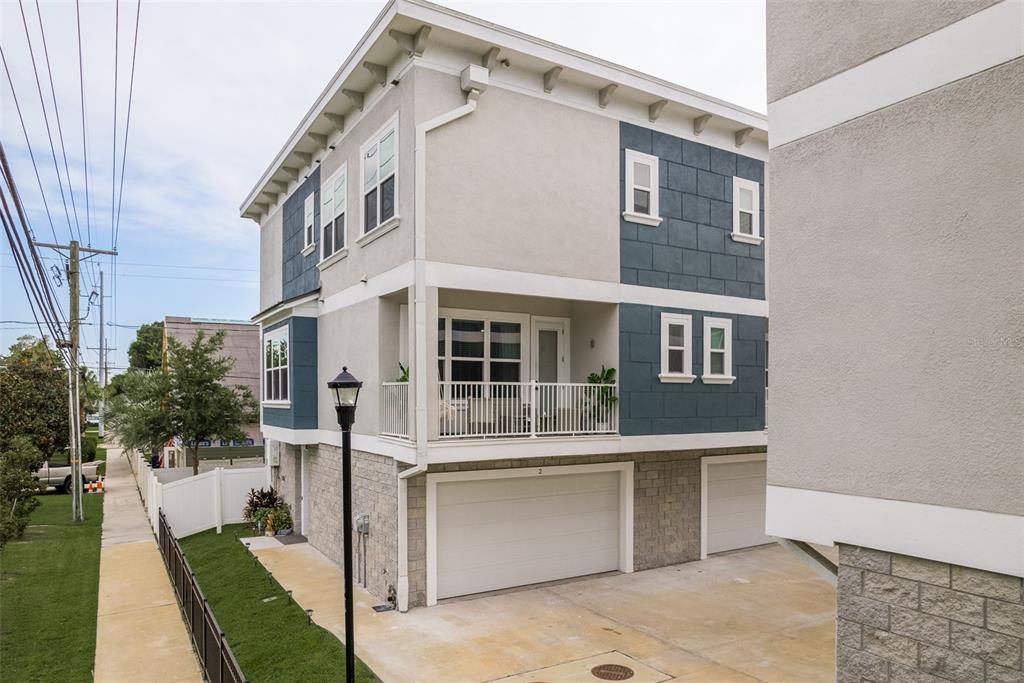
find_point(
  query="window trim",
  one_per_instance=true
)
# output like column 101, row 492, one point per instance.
column 309, row 226
column 328, row 184
column 488, row 317
column 276, row 334
column 755, row 236
column 386, row 225
column 653, row 219
column 727, row 377
column 686, row 376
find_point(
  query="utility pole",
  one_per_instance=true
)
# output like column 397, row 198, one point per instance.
column 74, row 418
column 103, row 364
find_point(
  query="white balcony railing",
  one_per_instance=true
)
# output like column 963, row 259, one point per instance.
column 394, row 411
column 510, row 409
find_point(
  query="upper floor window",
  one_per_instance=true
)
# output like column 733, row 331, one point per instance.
column 717, row 351
column 676, row 348
column 380, row 176
column 307, row 223
column 641, row 188
column 275, row 365
column 332, row 212
column 746, row 211
column 477, row 347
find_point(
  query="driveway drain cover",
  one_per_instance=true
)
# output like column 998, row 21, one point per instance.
column 612, row 672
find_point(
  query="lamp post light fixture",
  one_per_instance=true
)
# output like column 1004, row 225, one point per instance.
column 346, row 388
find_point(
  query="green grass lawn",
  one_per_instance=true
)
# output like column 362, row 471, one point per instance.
column 49, row 584
column 271, row 640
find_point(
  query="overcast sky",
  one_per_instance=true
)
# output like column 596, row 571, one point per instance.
column 218, row 87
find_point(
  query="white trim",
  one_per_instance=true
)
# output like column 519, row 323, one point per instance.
column 278, row 334
column 632, row 158
column 978, row 42
column 381, row 230
column 625, row 470
column 686, row 320
column 276, row 404
column 308, row 249
column 457, row 276
column 391, row 126
column 328, row 207
column 971, row 538
column 309, row 223
column 704, row 463
column 333, row 258
column 725, row 377
column 399, row 277
column 754, row 237
column 439, row 452
column 304, row 512
column 302, row 307
column 486, row 317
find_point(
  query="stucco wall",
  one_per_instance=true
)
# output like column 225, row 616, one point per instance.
column 897, row 290
column 521, row 184
column 350, row 338
column 807, row 44
column 270, row 260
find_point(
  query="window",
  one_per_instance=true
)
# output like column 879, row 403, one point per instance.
column 717, row 351
column 746, row 211
column 380, row 175
column 275, row 366
column 307, row 223
column 474, row 347
column 332, row 213
column 641, row 188
column 676, row 348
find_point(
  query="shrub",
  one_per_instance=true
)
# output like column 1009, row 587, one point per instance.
column 260, row 499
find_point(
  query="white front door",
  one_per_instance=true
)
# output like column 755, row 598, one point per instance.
column 551, row 349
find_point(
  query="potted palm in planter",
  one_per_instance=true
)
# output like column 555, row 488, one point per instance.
column 602, row 400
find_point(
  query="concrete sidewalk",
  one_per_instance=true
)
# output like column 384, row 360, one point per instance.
column 140, row 635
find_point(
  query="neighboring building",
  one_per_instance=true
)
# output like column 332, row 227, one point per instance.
column 505, row 217
column 897, row 401
column 241, row 343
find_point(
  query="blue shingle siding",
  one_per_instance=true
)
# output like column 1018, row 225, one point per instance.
column 649, row 406
column 299, row 274
column 302, row 382
column 695, row 202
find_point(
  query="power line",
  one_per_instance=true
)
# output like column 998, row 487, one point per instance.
column 24, row 130
column 127, row 122
column 173, row 267
column 175, row 277
column 46, row 118
column 113, row 159
column 56, row 112
column 85, row 147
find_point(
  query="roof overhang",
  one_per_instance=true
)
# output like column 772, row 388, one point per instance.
column 388, row 39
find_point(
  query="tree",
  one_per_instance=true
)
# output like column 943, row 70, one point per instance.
column 200, row 405
column 34, row 387
column 18, row 488
column 189, row 400
column 138, row 412
column 147, row 351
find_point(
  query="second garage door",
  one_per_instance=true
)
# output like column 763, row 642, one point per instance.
column 735, row 505
column 514, row 531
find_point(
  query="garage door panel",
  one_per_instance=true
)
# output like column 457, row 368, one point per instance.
column 517, row 529
column 523, row 573
column 735, row 505
column 513, row 531
column 497, row 511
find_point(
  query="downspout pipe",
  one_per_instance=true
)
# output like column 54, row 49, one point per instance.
column 474, row 80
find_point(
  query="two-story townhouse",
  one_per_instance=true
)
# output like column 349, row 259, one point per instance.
column 474, row 222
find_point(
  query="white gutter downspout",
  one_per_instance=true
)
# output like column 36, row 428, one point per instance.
column 474, row 80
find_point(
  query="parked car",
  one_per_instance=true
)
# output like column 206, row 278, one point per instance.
column 59, row 475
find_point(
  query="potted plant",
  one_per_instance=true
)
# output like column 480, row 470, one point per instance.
column 603, row 400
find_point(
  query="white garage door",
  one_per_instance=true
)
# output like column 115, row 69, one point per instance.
column 514, row 531
column 735, row 505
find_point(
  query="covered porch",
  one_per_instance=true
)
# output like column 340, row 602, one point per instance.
column 509, row 366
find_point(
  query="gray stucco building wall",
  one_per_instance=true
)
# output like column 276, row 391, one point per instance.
column 649, row 406
column 692, row 249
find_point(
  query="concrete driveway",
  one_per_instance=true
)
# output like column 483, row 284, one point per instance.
column 750, row 615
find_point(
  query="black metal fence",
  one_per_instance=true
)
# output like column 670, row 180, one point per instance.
column 215, row 655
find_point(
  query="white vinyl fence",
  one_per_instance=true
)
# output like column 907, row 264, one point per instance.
column 196, row 503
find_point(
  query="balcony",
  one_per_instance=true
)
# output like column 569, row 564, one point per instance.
column 484, row 410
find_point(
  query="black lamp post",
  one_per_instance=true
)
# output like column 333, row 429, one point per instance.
column 345, row 388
